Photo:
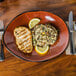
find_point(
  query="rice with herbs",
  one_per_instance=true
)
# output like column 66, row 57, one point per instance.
column 44, row 35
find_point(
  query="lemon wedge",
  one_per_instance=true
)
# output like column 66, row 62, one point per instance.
column 41, row 50
column 33, row 22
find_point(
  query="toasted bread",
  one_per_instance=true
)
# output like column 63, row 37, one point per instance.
column 23, row 39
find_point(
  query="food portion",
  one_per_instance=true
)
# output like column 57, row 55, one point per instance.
column 33, row 22
column 42, row 50
column 40, row 37
column 44, row 35
column 23, row 39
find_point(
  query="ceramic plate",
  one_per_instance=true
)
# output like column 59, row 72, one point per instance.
column 46, row 17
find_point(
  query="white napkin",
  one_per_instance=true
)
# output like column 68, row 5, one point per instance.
column 1, row 29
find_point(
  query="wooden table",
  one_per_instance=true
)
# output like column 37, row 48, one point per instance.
column 60, row 66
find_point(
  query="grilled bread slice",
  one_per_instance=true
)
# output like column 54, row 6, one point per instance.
column 23, row 39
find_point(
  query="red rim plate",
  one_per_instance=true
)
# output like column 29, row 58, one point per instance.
column 46, row 17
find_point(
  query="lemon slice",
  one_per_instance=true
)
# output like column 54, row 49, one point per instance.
column 41, row 50
column 33, row 22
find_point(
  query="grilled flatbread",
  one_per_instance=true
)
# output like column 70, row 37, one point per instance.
column 23, row 39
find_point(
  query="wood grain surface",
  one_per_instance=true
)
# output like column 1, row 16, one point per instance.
column 60, row 66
